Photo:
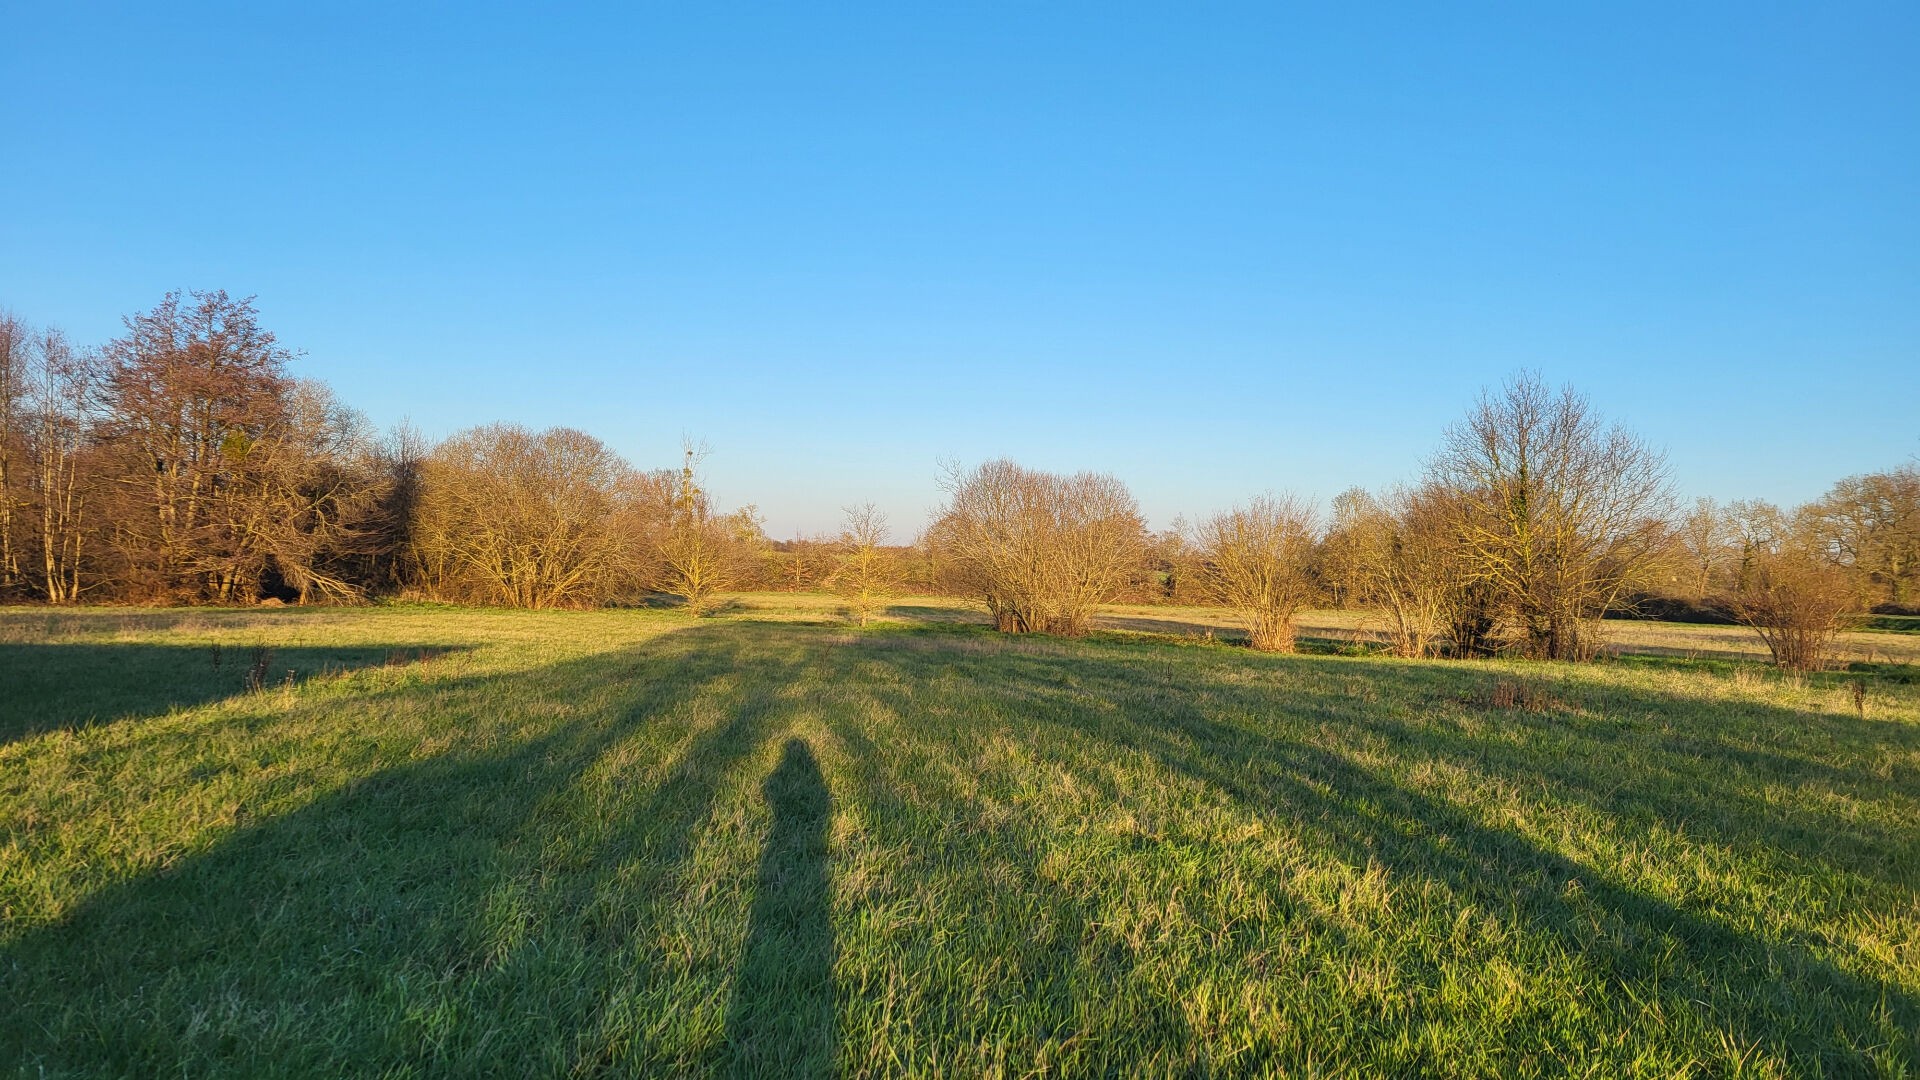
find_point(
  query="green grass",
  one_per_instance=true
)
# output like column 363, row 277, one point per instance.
column 478, row 842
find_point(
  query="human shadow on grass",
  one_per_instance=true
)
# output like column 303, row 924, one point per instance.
column 781, row 1019
column 1768, row 991
column 66, row 685
column 357, row 932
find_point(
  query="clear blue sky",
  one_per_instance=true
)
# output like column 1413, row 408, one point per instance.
column 1214, row 250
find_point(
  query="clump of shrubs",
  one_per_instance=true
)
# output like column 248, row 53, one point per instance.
column 1798, row 603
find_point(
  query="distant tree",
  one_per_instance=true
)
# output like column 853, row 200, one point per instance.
column 1709, row 543
column 1401, row 556
column 926, row 570
column 1757, row 528
column 1560, row 515
column 804, row 562
column 1336, row 562
column 1044, row 551
column 1798, row 601
column 698, row 558
column 187, row 392
column 1257, row 559
column 59, row 393
column 392, row 561
column 522, row 518
column 15, row 344
column 868, row 573
column 1173, row 568
column 299, row 508
column 753, row 562
column 1871, row 525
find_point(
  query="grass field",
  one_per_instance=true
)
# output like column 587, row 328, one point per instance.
column 444, row 842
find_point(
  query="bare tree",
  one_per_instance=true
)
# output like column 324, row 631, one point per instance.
column 1400, row 555
column 1043, row 551
column 191, row 387
column 58, row 398
column 391, row 559
column 522, row 518
column 804, row 563
column 14, row 380
column 299, row 505
column 1257, row 560
column 1337, row 563
column 1758, row 527
column 1709, row 542
column 868, row 571
column 1560, row 514
column 1797, row 601
column 1871, row 525
column 1173, row 568
column 697, row 558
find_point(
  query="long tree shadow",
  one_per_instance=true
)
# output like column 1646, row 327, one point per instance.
column 781, row 1020
column 1705, row 766
column 1274, row 738
column 359, row 931
column 1002, row 953
column 1768, row 991
column 44, row 687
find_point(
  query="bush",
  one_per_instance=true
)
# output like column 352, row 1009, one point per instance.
column 1798, row 604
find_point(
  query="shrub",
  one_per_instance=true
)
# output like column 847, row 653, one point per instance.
column 1798, row 603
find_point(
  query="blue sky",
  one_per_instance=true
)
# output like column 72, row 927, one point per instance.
column 1214, row 250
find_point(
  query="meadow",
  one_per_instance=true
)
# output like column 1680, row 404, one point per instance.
column 417, row 841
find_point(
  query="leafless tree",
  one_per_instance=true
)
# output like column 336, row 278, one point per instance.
column 1173, row 568
column 522, row 518
column 58, row 400
column 1758, row 527
column 868, row 572
column 1561, row 515
column 1257, row 558
column 191, row 388
column 1871, row 525
column 15, row 378
column 699, row 558
column 1709, row 543
column 1402, row 556
column 803, row 563
column 1044, row 551
column 1798, row 600
column 299, row 505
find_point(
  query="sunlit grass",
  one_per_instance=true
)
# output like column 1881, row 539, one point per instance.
column 460, row 842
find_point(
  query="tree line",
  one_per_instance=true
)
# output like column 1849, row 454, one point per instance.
column 182, row 462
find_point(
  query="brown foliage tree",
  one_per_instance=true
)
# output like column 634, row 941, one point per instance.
column 188, row 392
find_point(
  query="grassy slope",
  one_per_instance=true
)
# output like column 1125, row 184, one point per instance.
column 569, row 842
